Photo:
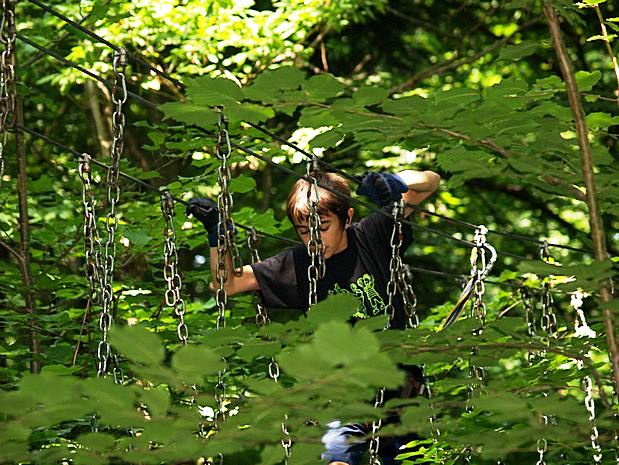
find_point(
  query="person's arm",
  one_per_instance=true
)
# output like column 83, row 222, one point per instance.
column 421, row 185
column 246, row 282
column 205, row 210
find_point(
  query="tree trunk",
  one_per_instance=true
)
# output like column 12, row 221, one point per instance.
column 595, row 218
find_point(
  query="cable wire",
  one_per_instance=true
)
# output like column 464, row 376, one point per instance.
column 135, row 180
column 266, row 131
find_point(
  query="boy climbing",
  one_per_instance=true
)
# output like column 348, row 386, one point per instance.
column 357, row 257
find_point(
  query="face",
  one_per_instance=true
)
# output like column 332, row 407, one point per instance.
column 332, row 231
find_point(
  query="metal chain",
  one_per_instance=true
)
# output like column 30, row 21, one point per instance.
column 436, row 433
column 541, row 450
column 226, row 240
column 172, row 295
column 409, row 298
column 480, row 268
column 92, row 241
column 286, row 440
column 582, row 330
column 392, row 287
column 549, row 319
column 119, row 97
column 262, row 318
column 8, row 31
column 529, row 315
column 315, row 248
column 395, row 261
column 376, row 424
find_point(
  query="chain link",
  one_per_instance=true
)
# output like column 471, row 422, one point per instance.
column 376, row 424
column 582, row 330
column 262, row 318
column 226, row 240
column 549, row 319
column 119, row 97
column 395, row 261
column 541, row 450
column 480, row 268
column 529, row 315
column 172, row 295
column 409, row 298
column 286, row 440
column 315, row 248
column 92, row 241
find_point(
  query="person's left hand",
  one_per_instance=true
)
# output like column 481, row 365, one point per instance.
column 382, row 188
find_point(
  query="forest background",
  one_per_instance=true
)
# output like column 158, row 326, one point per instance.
column 474, row 90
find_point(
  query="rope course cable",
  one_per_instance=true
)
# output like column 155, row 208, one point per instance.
column 278, row 138
column 8, row 30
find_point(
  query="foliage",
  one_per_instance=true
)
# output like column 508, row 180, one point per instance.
column 469, row 89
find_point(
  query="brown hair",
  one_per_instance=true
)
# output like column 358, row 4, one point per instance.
column 297, row 206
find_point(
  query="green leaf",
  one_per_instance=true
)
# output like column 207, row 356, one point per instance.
column 189, row 113
column 192, row 363
column 370, row 95
column 137, row 344
column 208, row 91
column 586, row 80
column 242, row 184
column 322, row 87
column 521, row 50
column 599, row 120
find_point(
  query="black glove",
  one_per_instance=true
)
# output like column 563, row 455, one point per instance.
column 206, row 211
column 382, row 188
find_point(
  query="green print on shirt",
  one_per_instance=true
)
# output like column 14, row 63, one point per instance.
column 370, row 301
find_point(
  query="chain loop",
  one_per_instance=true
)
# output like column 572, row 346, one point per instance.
column 315, row 248
column 549, row 319
column 582, row 329
column 119, row 97
column 172, row 295
column 541, row 450
column 226, row 239
column 262, row 318
column 480, row 268
column 92, row 241
column 395, row 262
column 376, row 424
column 407, row 291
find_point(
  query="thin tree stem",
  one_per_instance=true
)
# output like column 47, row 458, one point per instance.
column 24, row 243
column 595, row 217
column 613, row 58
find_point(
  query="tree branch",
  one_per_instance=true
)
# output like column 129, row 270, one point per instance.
column 455, row 63
column 494, row 147
column 586, row 156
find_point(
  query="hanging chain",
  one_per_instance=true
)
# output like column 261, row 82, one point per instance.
column 119, row 97
column 92, row 241
column 262, row 318
column 226, row 238
column 549, row 319
column 286, row 440
column 529, row 315
column 395, row 261
column 582, row 329
column 541, row 450
column 315, row 248
column 8, row 32
column 436, row 433
column 480, row 268
column 173, row 280
column 376, row 424
column 409, row 298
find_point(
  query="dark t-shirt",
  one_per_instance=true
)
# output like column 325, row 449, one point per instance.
column 362, row 269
